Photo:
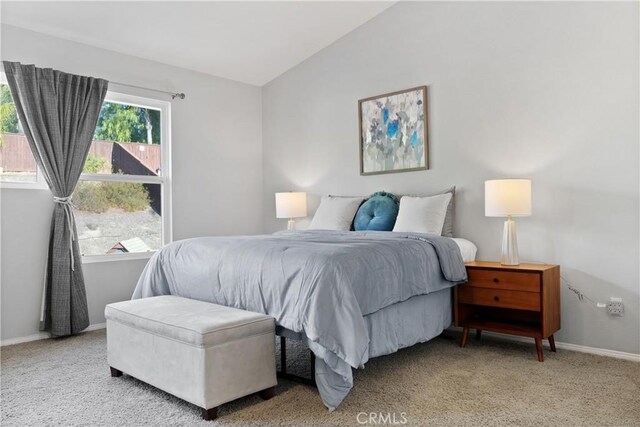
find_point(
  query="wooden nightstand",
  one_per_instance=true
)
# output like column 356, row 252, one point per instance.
column 519, row 300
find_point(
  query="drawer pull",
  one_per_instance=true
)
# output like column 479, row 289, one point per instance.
column 518, row 300
column 511, row 280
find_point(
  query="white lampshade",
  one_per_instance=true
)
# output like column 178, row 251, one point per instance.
column 504, row 197
column 291, row 205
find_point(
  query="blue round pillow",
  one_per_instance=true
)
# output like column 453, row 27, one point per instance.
column 378, row 213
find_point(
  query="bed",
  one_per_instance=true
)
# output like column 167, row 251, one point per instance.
column 349, row 295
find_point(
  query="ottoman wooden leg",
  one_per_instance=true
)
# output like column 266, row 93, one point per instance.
column 210, row 414
column 115, row 372
column 268, row 393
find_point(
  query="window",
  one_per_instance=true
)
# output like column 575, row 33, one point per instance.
column 123, row 196
column 17, row 165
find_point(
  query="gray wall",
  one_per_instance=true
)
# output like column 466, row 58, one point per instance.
column 541, row 90
column 547, row 91
column 217, row 173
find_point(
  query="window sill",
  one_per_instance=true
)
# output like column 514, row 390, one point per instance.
column 94, row 259
column 23, row 186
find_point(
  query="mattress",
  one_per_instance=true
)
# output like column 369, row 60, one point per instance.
column 467, row 249
column 409, row 322
column 402, row 324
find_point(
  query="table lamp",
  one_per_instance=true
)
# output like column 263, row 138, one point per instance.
column 291, row 205
column 508, row 198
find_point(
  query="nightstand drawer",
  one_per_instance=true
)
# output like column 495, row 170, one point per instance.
column 512, row 280
column 499, row 298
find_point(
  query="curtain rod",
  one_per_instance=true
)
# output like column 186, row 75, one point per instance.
column 174, row 95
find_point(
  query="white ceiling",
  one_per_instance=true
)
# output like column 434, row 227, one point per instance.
column 251, row 42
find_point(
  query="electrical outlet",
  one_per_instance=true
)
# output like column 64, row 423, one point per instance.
column 615, row 307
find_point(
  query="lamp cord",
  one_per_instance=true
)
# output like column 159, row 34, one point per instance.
column 581, row 297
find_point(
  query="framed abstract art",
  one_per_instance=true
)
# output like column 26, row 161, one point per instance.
column 393, row 132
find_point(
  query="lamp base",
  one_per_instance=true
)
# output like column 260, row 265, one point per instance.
column 291, row 225
column 509, row 243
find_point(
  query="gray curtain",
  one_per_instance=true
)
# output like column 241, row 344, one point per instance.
column 59, row 113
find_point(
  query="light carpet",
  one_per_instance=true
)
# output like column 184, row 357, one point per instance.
column 492, row 382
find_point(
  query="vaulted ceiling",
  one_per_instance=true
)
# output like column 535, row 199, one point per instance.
column 251, row 42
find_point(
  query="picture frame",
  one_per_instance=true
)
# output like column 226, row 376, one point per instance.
column 393, row 132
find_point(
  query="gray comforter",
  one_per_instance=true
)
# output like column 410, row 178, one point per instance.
column 318, row 283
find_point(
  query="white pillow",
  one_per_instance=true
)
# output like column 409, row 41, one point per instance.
column 335, row 213
column 422, row 214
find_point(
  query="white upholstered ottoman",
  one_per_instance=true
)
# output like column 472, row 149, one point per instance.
column 203, row 353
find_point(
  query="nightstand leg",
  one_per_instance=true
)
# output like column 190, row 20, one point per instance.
column 465, row 336
column 539, row 349
column 478, row 333
column 552, row 343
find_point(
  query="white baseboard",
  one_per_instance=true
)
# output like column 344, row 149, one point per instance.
column 45, row 335
column 572, row 347
column 599, row 351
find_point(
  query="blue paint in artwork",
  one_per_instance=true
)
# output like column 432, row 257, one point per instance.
column 385, row 115
column 392, row 129
column 414, row 139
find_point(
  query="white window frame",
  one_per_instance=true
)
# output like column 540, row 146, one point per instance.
column 39, row 183
column 164, row 180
